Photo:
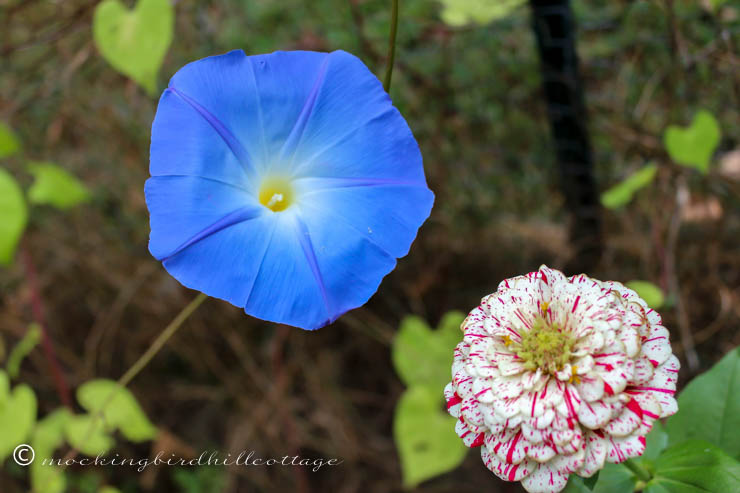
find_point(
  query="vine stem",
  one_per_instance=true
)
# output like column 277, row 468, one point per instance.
column 391, row 46
column 137, row 367
column 161, row 340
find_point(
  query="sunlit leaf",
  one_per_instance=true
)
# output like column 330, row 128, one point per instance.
column 135, row 41
column 9, row 143
column 47, row 437
column 425, row 436
column 54, row 186
column 17, row 418
column 423, row 356
column 88, row 434
column 694, row 466
column 14, row 215
column 621, row 194
column 461, row 12
column 30, row 340
column 693, row 146
column 649, row 292
column 120, row 408
column 614, row 478
column 709, row 407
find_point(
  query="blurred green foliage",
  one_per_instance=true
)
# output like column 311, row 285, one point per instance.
column 649, row 292
column 461, row 12
column 14, row 216
column 621, row 194
column 424, row 433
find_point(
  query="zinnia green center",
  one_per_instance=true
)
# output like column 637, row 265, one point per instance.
column 545, row 346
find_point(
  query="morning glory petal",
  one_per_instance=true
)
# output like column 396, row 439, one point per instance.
column 387, row 213
column 289, row 289
column 185, row 143
column 338, row 249
column 257, row 98
column 202, row 204
column 221, row 264
column 354, row 131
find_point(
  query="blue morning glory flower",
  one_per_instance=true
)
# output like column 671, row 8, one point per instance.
column 287, row 184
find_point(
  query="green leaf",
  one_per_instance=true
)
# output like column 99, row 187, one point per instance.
column 122, row 412
column 135, row 41
column 649, row 292
column 461, row 12
column 425, row 436
column 656, row 442
column 422, row 356
column 693, row 146
column 89, row 436
column 30, row 340
column 14, row 216
column 46, row 438
column 615, row 478
column 9, row 143
column 695, row 466
column 4, row 388
column 709, row 407
column 17, row 418
column 54, row 186
column 621, row 194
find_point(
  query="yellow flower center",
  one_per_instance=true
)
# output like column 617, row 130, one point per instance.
column 545, row 346
column 276, row 193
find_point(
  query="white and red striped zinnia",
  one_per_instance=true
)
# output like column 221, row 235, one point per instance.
column 556, row 375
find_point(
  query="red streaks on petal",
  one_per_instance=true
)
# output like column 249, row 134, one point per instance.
column 510, row 453
column 478, row 441
column 608, row 389
column 575, row 305
column 454, row 400
column 633, row 406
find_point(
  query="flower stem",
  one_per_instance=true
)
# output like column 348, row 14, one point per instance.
column 639, row 471
column 161, row 340
column 391, row 46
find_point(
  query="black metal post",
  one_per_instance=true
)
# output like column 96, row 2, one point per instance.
column 555, row 31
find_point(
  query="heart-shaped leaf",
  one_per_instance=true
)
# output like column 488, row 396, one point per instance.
column 621, row 194
column 120, row 409
column 649, row 292
column 55, row 186
column 88, row 434
column 9, row 144
column 709, row 407
column 135, row 41
column 461, row 12
column 14, row 216
column 694, row 466
column 17, row 417
column 693, row 146
column 423, row 356
column 425, row 436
